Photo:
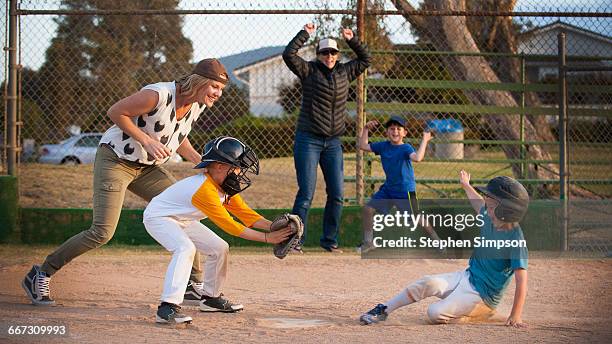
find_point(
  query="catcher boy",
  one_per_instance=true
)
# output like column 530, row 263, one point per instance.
column 474, row 293
column 173, row 219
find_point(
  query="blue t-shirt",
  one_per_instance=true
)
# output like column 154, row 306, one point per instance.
column 397, row 166
column 490, row 268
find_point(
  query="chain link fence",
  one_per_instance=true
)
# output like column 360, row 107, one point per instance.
column 485, row 83
column 5, row 40
column 589, row 137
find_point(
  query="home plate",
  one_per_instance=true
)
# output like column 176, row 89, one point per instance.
column 292, row 322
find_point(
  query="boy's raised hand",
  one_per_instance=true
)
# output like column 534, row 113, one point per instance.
column 464, row 178
column 427, row 136
column 371, row 124
column 310, row 28
column 476, row 201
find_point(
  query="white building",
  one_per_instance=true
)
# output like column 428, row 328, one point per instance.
column 543, row 40
column 264, row 79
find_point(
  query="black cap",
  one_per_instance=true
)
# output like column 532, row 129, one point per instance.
column 511, row 194
column 396, row 120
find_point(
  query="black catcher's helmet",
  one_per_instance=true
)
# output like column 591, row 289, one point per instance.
column 231, row 151
column 512, row 197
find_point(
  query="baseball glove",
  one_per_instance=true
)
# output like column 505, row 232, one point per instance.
column 295, row 223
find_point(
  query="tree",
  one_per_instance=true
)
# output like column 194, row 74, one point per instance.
column 290, row 96
column 450, row 33
column 95, row 60
column 32, row 116
column 499, row 34
column 410, row 66
column 376, row 34
column 234, row 103
column 62, row 85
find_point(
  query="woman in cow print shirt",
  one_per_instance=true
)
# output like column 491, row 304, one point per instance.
column 150, row 126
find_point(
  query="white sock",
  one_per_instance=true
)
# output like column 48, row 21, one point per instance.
column 399, row 300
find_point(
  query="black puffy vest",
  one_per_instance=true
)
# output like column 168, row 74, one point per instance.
column 324, row 95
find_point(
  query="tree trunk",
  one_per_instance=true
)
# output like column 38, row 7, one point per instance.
column 501, row 37
column 451, row 33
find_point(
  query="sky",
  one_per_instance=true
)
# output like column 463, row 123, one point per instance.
column 222, row 35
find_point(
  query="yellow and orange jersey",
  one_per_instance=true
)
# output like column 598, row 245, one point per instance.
column 199, row 197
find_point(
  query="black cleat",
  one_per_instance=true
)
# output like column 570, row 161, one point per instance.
column 169, row 313
column 36, row 285
column 375, row 315
column 218, row 304
column 193, row 293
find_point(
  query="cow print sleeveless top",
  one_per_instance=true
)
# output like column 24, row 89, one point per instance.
column 160, row 124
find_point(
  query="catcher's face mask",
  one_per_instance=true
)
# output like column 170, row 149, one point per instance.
column 238, row 179
column 235, row 182
column 241, row 158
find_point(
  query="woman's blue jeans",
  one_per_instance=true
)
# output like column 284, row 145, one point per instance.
column 310, row 150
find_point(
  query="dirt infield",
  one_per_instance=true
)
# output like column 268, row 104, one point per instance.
column 110, row 296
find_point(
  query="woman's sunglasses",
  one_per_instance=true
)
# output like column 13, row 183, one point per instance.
column 328, row 52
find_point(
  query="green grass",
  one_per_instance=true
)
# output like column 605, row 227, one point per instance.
column 482, row 170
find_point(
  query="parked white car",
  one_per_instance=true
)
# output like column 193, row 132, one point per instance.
column 78, row 149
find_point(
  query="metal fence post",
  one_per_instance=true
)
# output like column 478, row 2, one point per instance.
column 359, row 183
column 522, row 120
column 11, row 117
column 563, row 184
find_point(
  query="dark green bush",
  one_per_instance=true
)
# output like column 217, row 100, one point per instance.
column 269, row 137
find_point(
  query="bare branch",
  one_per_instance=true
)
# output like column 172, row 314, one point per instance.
column 403, row 6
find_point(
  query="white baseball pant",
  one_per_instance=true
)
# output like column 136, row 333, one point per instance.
column 460, row 302
column 183, row 239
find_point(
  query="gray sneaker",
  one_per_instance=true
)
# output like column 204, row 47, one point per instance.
column 36, row 285
column 193, row 293
column 364, row 248
column 374, row 315
column 218, row 304
column 169, row 313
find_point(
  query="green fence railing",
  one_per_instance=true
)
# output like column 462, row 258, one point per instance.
column 600, row 112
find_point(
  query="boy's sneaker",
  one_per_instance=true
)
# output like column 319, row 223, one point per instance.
column 375, row 315
column 169, row 313
column 218, row 304
column 36, row 285
column 193, row 293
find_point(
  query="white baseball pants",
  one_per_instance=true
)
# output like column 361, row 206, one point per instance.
column 183, row 239
column 460, row 302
